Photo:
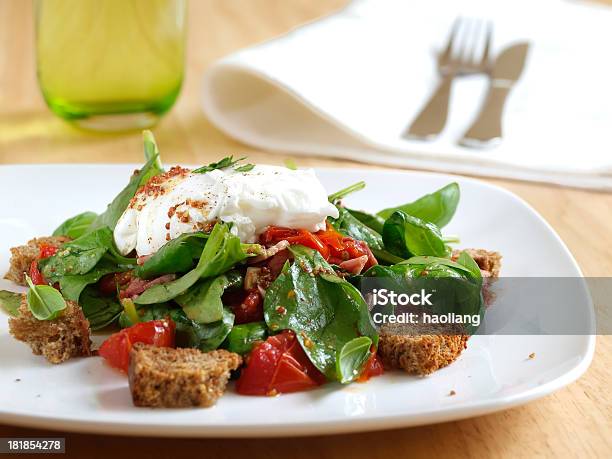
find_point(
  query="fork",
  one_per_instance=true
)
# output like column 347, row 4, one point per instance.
column 456, row 59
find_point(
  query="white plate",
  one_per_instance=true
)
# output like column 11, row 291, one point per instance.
column 494, row 372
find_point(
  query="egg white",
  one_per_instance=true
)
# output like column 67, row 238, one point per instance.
column 251, row 201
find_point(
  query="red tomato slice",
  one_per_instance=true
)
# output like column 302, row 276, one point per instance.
column 116, row 348
column 278, row 365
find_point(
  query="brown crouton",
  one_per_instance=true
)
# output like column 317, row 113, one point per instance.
column 23, row 256
column 58, row 339
column 422, row 354
column 175, row 378
column 487, row 261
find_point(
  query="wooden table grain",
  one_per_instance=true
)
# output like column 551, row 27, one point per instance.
column 575, row 421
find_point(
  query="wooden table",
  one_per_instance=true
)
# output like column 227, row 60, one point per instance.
column 575, row 421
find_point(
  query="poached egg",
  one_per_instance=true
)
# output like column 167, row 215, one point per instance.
column 181, row 201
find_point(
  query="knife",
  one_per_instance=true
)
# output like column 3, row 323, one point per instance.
column 486, row 130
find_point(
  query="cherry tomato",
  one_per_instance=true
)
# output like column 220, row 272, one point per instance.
column 35, row 275
column 116, row 348
column 278, row 365
column 373, row 367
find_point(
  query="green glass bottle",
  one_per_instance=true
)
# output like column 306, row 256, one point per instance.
column 110, row 65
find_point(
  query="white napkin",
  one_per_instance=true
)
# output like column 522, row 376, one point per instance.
column 349, row 84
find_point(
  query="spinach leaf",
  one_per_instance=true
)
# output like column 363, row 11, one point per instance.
column 465, row 259
column 10, row 302
column 189, row 333
column 100, row 310
column 78, row 256
column 202, row 302
column 435, row 261
column 352, row 357
column 437, row 208
column 324, row 310
column 145, row 313
column 405, row 235
column 175, row 256
column 205, row 337
column 243, row 337
column 221, row 252
column 72, row 285
column 228, row 161
column 45, row 302
column 348, row 225
column 116, row 208
column 338, row 195
column 76, row 226
column 373, row 222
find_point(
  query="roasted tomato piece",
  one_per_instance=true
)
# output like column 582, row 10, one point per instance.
column 278, row 365
column 276, row 234
column 108, row 285
column 332, row 245
column 250, row 309
column 373, row 367
column 35, row 275
column 47, row 251
column 116, row 349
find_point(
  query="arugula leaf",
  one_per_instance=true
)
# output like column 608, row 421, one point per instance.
column 228, row 161
column 437, row 208
column 100, row 310
column 245, row 168
column 243, row 337
column 202, row 302
column 352, row 357
column 405, row 235
column 175, row 256
column 75, row 226
column 116, row 208
column 221, row 252
column 78, row 256
column 72, row 285
column 10, row 302
column 324, row 310
column 338, row 195
column 44, row 301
